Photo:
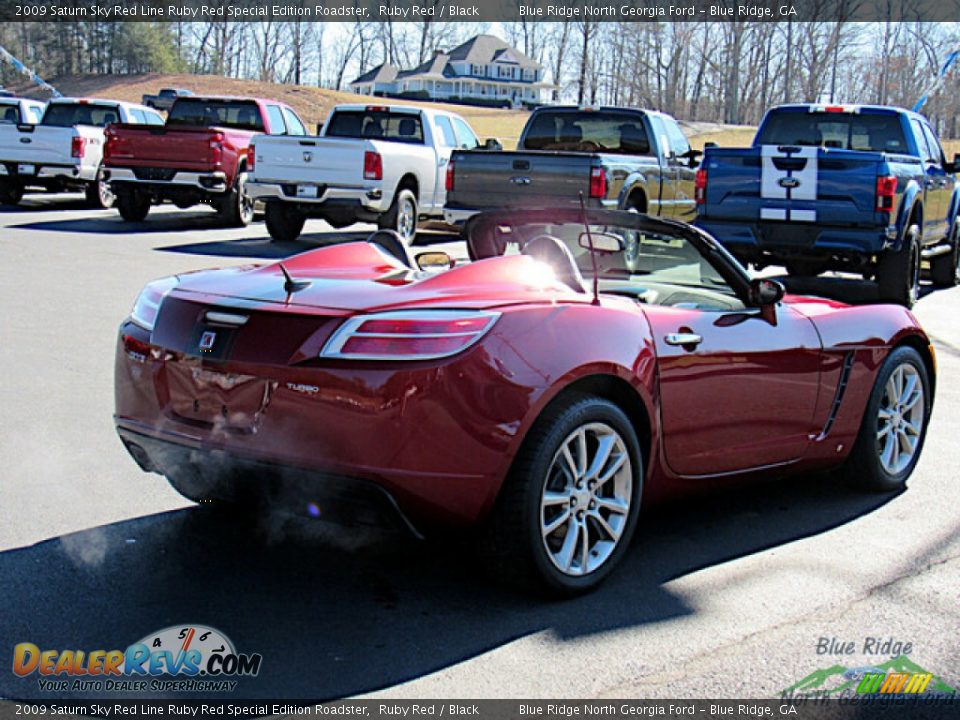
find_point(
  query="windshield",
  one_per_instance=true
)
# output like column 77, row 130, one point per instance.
column 601, row 131
column 376, row 125
column 238, row 114
column 876, row 132
column 70, row 114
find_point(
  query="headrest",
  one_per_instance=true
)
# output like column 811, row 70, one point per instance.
column 551, row 250
column 392, row 244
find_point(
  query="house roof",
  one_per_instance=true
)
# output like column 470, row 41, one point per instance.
column 384, row 72
column 483, row 49
column 433, row 67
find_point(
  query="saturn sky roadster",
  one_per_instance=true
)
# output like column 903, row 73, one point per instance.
column 583, row 364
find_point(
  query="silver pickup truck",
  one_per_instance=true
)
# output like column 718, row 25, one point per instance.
column 617, row 158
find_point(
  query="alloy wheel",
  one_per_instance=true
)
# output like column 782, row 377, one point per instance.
column 900, row 419
column 406, row 222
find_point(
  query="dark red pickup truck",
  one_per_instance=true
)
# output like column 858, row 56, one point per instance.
column 198, row 156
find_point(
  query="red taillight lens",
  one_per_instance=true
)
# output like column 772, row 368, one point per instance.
column 216, row 148
column 598, row 182
column 449, row 182
column 409, row 335
column 700, row 186
column 372, row 166
column 251, row 158
column 886, row 191
column 78, row 146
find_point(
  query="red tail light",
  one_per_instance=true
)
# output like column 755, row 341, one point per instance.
column 886, row 191
column 598, row 182
column 78, row 146
column 700, row 186
column 372, row 166
column 216, row 148
column 251, row 158
column 449, row 182
column 415, row 335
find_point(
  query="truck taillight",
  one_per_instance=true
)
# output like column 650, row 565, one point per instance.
column 598, row 182
column 216, row 148
column 886, row 191
column 372, row 166
column 78, row 146
column 700, row 186
column 449, row 182
column 251, row 158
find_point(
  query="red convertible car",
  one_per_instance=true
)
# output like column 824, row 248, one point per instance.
column 511, row 395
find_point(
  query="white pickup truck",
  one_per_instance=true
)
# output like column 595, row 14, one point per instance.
column 65, row 150
column 370, row 163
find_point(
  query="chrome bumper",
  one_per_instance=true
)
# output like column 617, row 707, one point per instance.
column 215, row 182
column 370, row 198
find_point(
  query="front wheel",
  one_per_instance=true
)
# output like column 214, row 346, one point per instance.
column 11, row 193
column 402, row 216
column 99, row 194
column 284, row 223
column 569, row 508
column 898, row 273
column 894, row 427
column 133, row 205
column 945, row 269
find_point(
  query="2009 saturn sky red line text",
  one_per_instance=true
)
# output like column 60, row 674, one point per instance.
column 510, row 395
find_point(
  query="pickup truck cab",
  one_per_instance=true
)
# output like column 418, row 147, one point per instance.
column 857, row 188
column 616, row 158
column 198, row 156
column 369, row 163
column 21, row 111
column 165, row 98
column 64, row 151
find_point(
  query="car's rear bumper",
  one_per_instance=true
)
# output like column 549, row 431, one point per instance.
column 208, row 182
column 317, row 194
column 787, row 239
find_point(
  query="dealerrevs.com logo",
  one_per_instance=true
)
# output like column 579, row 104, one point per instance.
column 180, row 657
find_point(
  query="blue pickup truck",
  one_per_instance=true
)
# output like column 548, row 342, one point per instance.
column 855, row 188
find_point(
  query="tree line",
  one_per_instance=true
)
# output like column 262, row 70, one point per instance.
column 726, row 72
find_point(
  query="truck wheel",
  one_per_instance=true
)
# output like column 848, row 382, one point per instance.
column 99, row 194
column 945, row 269
column 284, row 223
column 402, row 215
column 11, row 193
column 236, row 207
column 133, row 205
column 898, row 273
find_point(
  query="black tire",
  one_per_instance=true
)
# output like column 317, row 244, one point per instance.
column 898, row 273
column 284, row 223
column 236, row 207
column 99, row 194
column 865, row 467
column 11, row 193
column 513, row 545
column 945, row 269
column 133, row 205
column 402, row 215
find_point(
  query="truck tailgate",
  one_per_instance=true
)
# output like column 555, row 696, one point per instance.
column 327, row 161
column 45, row 145
column 792, row 183
column 185, row 148
column 484, row 179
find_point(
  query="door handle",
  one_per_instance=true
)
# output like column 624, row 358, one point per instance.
column 683, row 338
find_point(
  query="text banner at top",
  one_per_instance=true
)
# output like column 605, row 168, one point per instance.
column 479, row 10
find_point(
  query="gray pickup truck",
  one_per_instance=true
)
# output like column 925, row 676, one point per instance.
column 618, row 158
column 165, row 99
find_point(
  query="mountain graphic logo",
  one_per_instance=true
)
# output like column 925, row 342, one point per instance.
column 897, row 676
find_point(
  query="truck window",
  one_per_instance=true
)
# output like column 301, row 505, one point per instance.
column 138, row 116
column 934, row 151
column 606, row 131
column 447, row 136
column 239, row 114
column 468, row 141
column 679, row 145
column 153, row 118
column 871, row 132
column 70, row 114
column 376, row 125
column 9, row 114
column 277, row 125
column 36, row 113
column 294, row 126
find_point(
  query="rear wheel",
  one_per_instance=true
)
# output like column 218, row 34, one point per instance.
column 99, row 194
column 11, row 193
column 402, row 215
column 945, row 269
column 569, row 508
column 631, row 246
column 133, row 205
column 898, row 273
column 284, row 223
column 236, row 207
column 894, row 426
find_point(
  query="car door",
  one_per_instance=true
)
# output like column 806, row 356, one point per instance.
column 445, row 144
column 939, row 188
column 683, row 206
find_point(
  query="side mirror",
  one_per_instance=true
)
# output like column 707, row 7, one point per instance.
column 764, row 292
column 602, row 242
column 435, row 261
column 319, row 128
column 955, row 165
column 693, row 157
column 493, row 144
column 710, row 145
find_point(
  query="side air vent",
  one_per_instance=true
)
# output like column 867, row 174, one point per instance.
column 838, row 397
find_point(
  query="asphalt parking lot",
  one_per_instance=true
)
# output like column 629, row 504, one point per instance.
column 720, row 597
